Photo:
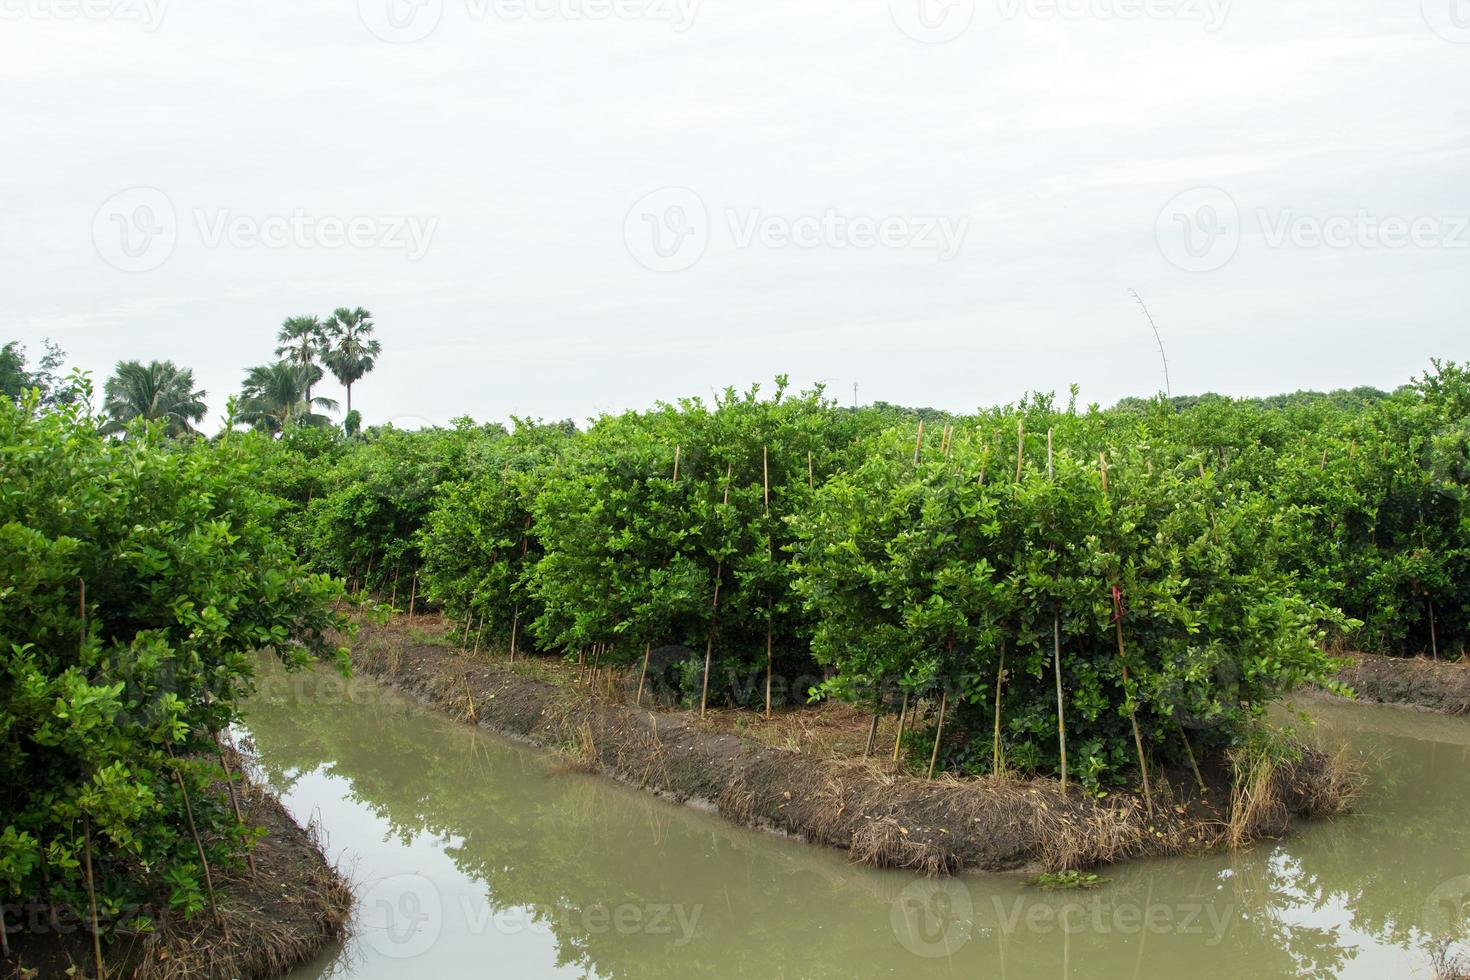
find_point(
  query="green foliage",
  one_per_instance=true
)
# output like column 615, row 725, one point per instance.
column 138, row 578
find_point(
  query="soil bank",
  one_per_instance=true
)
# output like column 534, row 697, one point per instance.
column 881, row 816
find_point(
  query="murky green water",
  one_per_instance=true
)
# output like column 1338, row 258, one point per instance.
column 474, row 857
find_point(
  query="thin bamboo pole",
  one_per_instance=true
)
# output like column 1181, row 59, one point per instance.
column 919, row 442
column 1433, row 633
column 478, row 634
column 873, row 726
column 199, row 844
column 1056, row 625
column 1184, row 736
column 997, row 765
column 413, row 595
column 92, row 896
column 811, row 475
column 515, row 622
column 939, row 732
column 234, row 799
column 677, row 451
column 643, row 674
column 1020, row 446
column 902, row 717
column 1148, row 794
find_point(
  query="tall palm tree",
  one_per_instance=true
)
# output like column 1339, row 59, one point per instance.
column 159, row 391
column 353, row 351
column 274, row 396
column 303, row 341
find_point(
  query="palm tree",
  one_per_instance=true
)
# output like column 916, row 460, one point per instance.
column 303, row 341
column 353, row 350
column 274, row 396
column 160, row 391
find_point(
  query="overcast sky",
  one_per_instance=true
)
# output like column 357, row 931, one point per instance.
column 560, row 207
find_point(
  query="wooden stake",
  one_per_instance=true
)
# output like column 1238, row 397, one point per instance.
column 1102, row 467
column 939, row 732
column 811, row 475
column 765, row 477
column 643, row 674
column 478, row 634
column 677, row 451
column 902, row 717
column 412, row 595
column 1056, row 626
column 919, row 442
column 92, row 897
column 82, row 611
column 770, row 647
column 393, row 602
column 1049, row 470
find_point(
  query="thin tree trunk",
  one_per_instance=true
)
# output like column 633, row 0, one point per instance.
column 1190, row 750
column 412, row 595
column 1433, row 633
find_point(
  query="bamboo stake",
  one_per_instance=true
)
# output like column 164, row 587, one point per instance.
column 709, row 645
column 873, row 727
column 92, row 897
column 478, row 634
column 1049, row 470
column 1148, row 794
column 234, row 799
column 393, row 602
column 643, row 674
column 1056, row 625
column 677, row 451
column 1190, row 750
column 765, row 478
column 770, row 649
column 811, row 476
column 997, row 763
column 902, row 717
column 1102, row 467
column 939, row 732
column 515, row 621
column 412, row 595
column 203, row 858
column 919, row 442
column 1020, row 446
column 1433, row 634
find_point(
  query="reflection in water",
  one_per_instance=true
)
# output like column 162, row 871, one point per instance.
column 474, row 856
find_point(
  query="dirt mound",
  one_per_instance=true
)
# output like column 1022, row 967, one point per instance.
column 1435, row 684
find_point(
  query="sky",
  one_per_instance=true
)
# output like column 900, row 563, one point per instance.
column 556, row 208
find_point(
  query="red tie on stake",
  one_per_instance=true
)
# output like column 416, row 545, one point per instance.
column 1117, row 605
